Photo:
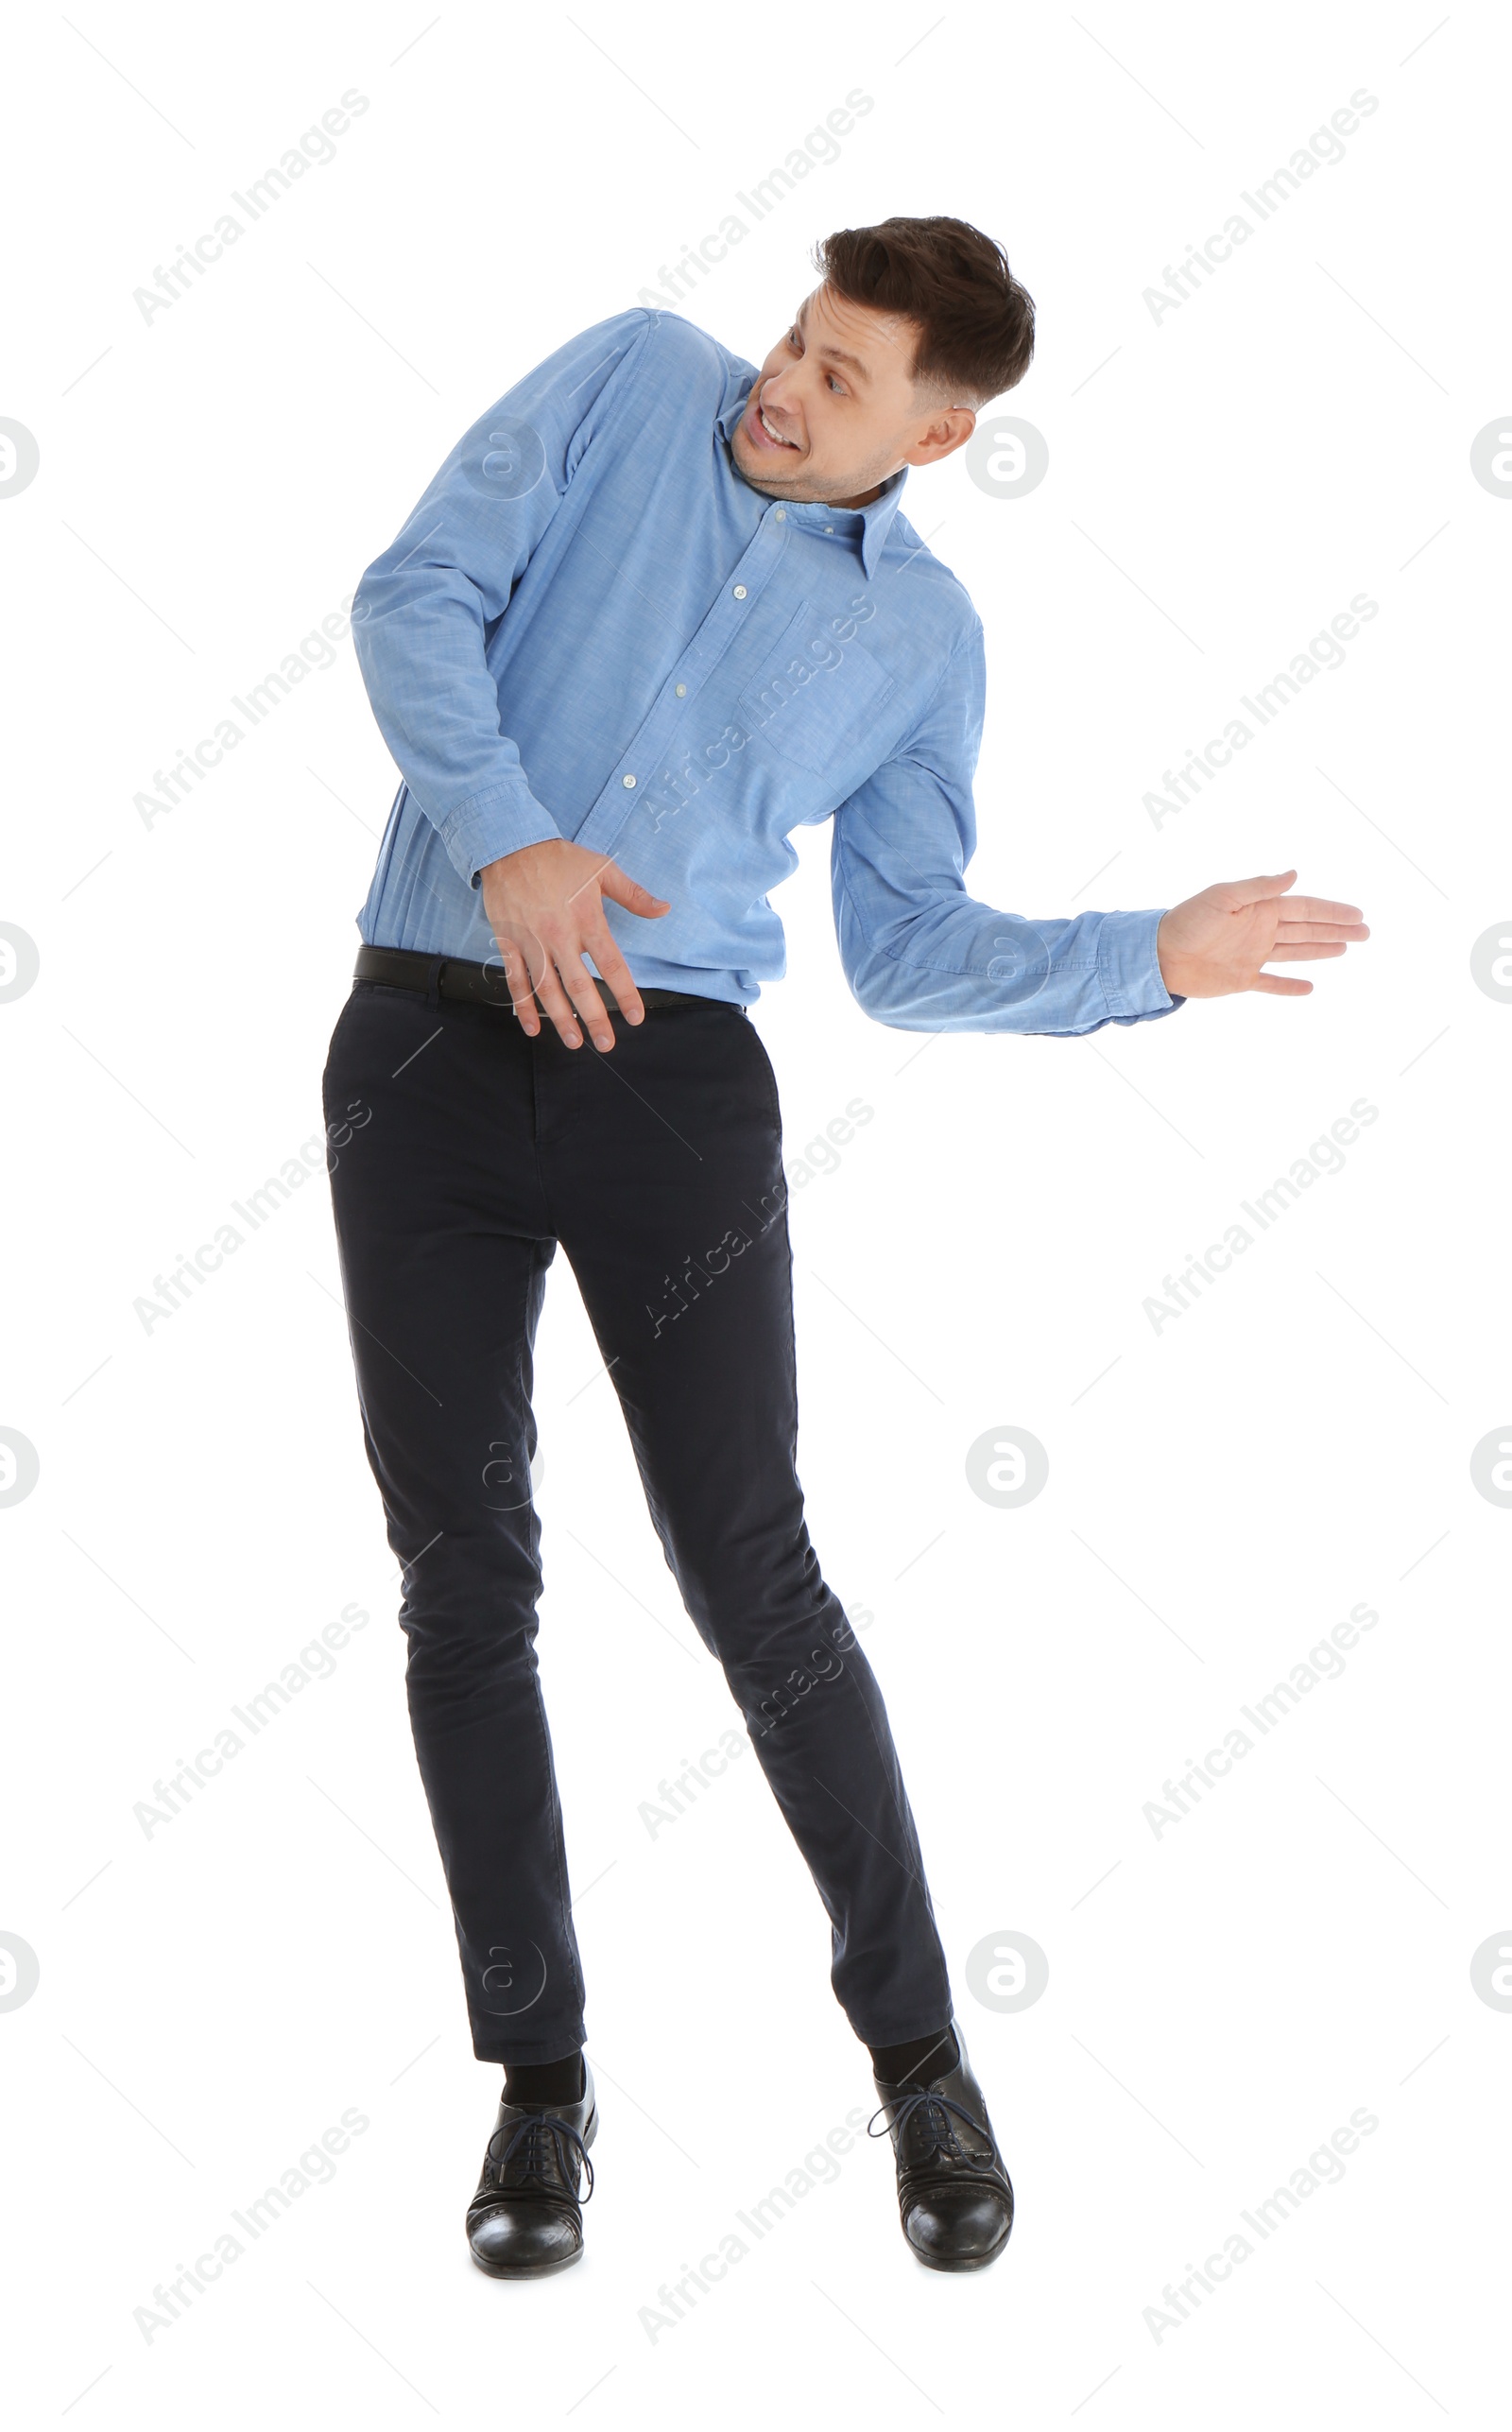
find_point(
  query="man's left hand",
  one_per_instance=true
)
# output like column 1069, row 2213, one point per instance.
column 1218, row 944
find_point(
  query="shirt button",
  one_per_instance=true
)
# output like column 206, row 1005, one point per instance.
column 626, row 780
column 829, row 528
column 780, row 516
column 740, row 591
column 682, row 691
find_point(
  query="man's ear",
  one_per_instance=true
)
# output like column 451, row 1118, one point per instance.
column 942, row 435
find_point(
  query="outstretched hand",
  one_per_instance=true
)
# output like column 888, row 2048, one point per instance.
column 545, row 906
column 1217, row 944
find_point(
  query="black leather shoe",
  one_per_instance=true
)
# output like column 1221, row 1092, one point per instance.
column 526, row 2216
column 953, row 2191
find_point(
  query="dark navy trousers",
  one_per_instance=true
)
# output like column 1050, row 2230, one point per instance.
column 463, row 1151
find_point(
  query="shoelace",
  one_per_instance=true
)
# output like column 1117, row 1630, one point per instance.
column 533, row 2133
column 934, row 2106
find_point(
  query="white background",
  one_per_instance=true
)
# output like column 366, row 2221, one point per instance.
column 1221, row 1493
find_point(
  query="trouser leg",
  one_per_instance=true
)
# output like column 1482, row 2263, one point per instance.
column 666, row 1185
column 444, row 1248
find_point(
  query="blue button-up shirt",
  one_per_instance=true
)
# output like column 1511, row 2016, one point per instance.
column 591, row 626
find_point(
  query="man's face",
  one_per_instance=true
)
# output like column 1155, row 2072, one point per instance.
column 834, row 410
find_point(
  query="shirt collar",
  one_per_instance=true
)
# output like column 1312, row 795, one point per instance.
column 865, row 527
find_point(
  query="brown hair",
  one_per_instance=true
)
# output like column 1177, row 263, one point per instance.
column 975, row 322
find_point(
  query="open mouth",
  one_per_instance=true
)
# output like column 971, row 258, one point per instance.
column 767, row 433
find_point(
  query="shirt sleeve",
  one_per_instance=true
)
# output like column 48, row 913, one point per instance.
column 424, row 610
column 920, row 953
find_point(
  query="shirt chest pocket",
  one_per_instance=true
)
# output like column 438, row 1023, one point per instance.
column 816, row 700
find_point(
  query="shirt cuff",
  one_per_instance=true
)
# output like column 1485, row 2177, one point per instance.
column 1129, row 966
column 488, row 826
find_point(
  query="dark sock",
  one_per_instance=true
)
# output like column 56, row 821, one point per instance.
column 928, row 2057
column 547, row 2081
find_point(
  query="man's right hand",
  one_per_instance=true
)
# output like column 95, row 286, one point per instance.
column 545, row 906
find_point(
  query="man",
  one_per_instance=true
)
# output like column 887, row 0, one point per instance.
column 657, row 610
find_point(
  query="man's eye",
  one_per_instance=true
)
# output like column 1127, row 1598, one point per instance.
column 836, row 385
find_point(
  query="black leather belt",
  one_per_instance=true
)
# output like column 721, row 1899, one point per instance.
column 478, row 983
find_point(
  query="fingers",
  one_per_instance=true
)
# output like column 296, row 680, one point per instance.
column 614, row 968
column 555, row 1005
column 548, row 967
column 1305, row 951
column 583, row 989
column 584, row 993
column 517, row 972
column 620, row 888
column 1317, row 907
column 1268, row 985
column 544, row 938
column 1241, row 892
